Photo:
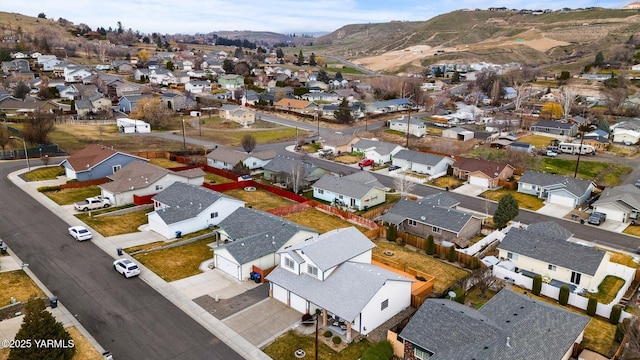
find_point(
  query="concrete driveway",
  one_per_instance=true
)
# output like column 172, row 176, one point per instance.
column 470, row 190
column 555, row 210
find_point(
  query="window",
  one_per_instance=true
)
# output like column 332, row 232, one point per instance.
column 320, row 191
column 512, row 256
column 214, row 215
column 340, row 196
column 312, row 270
column 421, row 354
column 552, row 267
column 384, row 304
column 436, row 230
column 288, row 263
column 412, row 222
column 158, row 187
column 115, row 168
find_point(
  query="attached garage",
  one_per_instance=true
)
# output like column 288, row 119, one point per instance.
column 298, row 303
column 613, row 213
column 561, row 198
column 228, row 266
column 480, row 181
column 280, row 294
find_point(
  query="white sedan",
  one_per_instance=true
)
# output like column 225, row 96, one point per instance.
column 126, row 267
column 80, row 233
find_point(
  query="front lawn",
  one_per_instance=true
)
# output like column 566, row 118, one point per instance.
column 319, row 220
column 44, row 173
column 178, row 262
column 607, row 290
column 525, row 201
column 603, row 173
column 539, row 141
column 446, row 181
column 632, row 230
column 445, row 274
column 18, row 285
column 283, row 348
column 259, row 199
column 71, row 196
column 347, row 159
column 116, row 224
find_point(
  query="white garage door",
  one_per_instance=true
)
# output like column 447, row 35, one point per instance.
column 298, row 303
column 560, row 200
column 612, row 214
column 227, row 266
column 280, row 294
column 474, row 180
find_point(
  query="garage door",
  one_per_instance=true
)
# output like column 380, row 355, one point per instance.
column 474, row 180
column 560, row 200
column 298, row 303
column 612, row 214
column 227, row 266
column 280, row 294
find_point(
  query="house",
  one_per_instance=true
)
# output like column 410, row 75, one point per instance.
column 544, row 249
column 300, row 106
column 391, row 105
column 118, row 88
column 339, row 143
column 509, row 326
column 599, row 143
column 260, row 245
column 239, row 114
column 416, row 126
column 75, row 73
column 140, row 178
column 485, row 173
column 185, row 208
column 96, row 162
column 333, row 276
column 13, row 106
column 226, row 158
column 360, row 190
column 457, row 133
column 379, row 151
column 132, row 126
column 556, row 189
column 509, row 93
column 626, row 136
column 557, row 129
column 423, row 163
column 174, row 101
column 285, row 169
column 198, row 86
column 434, row 215
column 522, row 147
column 128, row 103
column 620, row 203
column 320, row 96
column 231, row 82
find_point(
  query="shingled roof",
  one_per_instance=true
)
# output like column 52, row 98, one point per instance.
column 140, row 174
column 419, row 157
column 577, row 187
column 91, row 156
column 427, row 212
column 356, row 185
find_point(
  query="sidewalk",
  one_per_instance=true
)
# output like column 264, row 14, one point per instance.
column 172, row 293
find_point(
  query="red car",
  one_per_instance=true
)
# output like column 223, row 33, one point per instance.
column 366, row 162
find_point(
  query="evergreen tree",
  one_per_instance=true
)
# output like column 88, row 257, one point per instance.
column 39, row 324
column 452, row 254
column 344, row 115
column 312, row 59
column 455, row 78
column 338, row 75
column 279, row 53
column 323, row 76
column 599, row 60
column 300, row 59
column 430, row 248
column 506, row 211
column 392, row 232
column 228, row 66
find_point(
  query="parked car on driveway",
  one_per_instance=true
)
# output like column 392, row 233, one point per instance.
column 366, row 162
column 92, row 203
column 597, row 218
column 394, row 167
column 126, row 267
column 80, row 233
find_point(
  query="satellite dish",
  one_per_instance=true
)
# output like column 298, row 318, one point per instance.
column 452, row 294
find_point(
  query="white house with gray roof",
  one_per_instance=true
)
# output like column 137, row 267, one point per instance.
column 434, row 215
column 360, row 190
column 141, row 179
column 226, row 158
column 620, row 203
column 189, row 208
column 423, row 163
column 333, row 276
column 509, row 326
column 556, row 189
column 416, row 126
column 379, row 151
column 544, row 249
column 283, row 169
column 243, row 247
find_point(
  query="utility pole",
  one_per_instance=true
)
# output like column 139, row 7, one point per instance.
column 184, row 139
column 408, row 121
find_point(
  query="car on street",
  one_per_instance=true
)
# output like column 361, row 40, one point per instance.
column 126, row 267
column 80, row 233
column 597, row 218
column 394, row 167
column 366, row 162
column 637, row 184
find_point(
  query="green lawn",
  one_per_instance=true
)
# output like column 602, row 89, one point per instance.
column 525, row 201
column 44, row 173
column 283, row 348
column 603, row 173
column 70, row 196
column 538, row 141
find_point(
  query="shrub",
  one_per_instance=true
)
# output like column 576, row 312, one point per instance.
column 614, row 317
column 563, row 298
column 336, row 340
column 328, row 334
column 452, row 254
column 621, row 329
column 431, row 246
column 307, row 317
column 474, row 263
column 537, row 285
column 392, row 233
column 44, row 189
column 382, row 350
column 592, row 306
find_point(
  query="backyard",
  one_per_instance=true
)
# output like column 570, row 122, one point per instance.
column 320, row 221
column 607, row 290
column 603, row 173
column 259, row 199
column 283, row 348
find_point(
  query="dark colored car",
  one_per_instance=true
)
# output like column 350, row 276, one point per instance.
column 597, row 218
column 394, row 167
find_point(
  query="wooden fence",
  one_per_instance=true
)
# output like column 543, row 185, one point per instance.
column 81, row 184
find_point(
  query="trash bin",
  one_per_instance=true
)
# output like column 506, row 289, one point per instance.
column 3, row 249
column 107, row 355
column 581, row 221
column 178, row 234
column 119, row 250
column 53, row 302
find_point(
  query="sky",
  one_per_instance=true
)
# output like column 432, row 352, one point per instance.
column 280, row 16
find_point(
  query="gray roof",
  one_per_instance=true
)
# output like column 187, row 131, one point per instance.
column 335, row 247
column 577, row 187
column 345, row 292
column 141, row 174
column 381, row 147
column 186, row 201
column 419, row 157
column 427, row 213
column 284, row 164
column 509, row 326
column 550, row 228
column 236, row 225
column 554, row 124
column 555, row 251
column 356, row 185
column 627, row 196
column 442, row 199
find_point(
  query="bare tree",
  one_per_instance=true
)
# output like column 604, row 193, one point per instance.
column 403, row 184
column 298, row 176
column 631, row 329
column 37, row 128
column 565, row 97
column 520, row 94
column 4, row 137
column 480, row 278
column 248, row 143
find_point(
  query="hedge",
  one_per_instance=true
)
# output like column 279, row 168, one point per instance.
column 537, row 284
column 563, row 298
column 592, row 306
column 614, row 317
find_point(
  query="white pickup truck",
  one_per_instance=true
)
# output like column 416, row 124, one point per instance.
column 92, row 203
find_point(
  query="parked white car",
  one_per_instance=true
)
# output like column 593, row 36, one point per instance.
column 126, row 267
column 80, row 233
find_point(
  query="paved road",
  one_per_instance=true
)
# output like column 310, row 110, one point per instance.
column 126, row 316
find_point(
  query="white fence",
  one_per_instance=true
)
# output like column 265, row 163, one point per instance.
column 477, row 247
column 576, row 300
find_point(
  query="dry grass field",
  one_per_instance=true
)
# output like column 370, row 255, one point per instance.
column 259, row 199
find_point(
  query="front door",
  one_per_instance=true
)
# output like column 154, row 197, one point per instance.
column 353, row 202
column 575, row 277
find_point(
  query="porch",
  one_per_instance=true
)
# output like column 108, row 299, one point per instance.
column 553, row 282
